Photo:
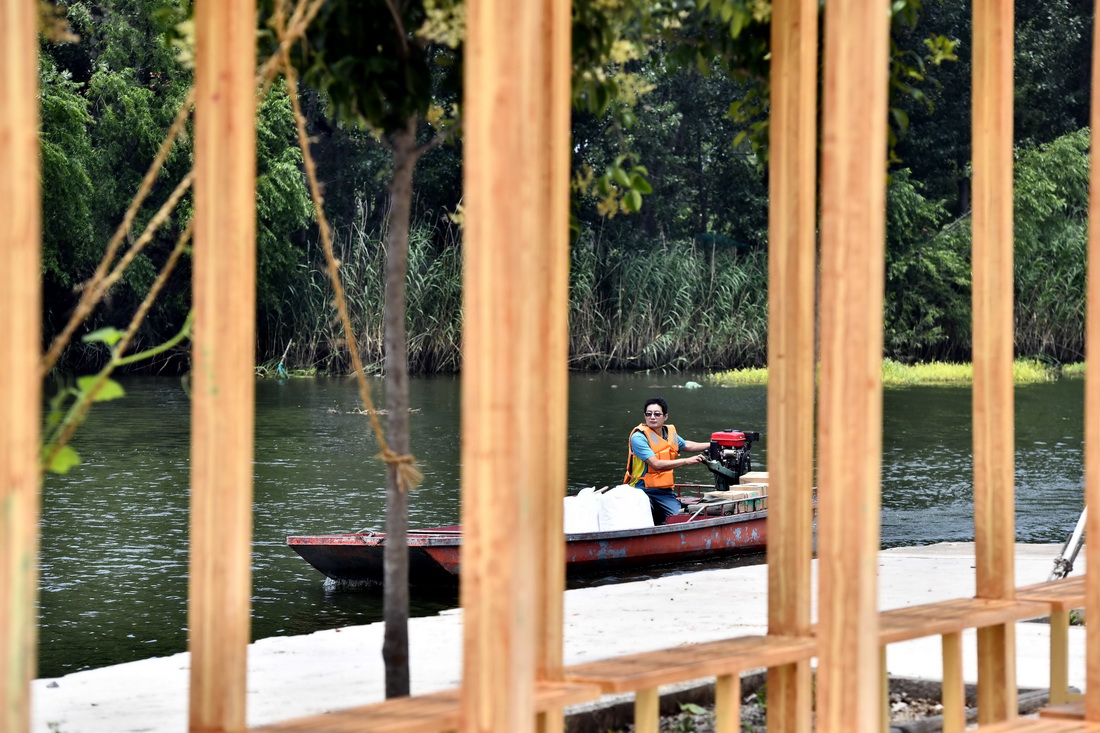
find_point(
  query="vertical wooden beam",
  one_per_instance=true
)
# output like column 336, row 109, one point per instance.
column 994, row 438
column 953, row 692
column 792, row 224
column 20, row 308
column 1059, row 657
column 506, row 338
column 552, row 364
column 1092, row 404
column 727, row 703
column 853, row 202
column 647, row 710
column 222, row 361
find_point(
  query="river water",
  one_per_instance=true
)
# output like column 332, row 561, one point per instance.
column 115, row 529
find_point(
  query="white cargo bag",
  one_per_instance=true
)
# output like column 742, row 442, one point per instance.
column 582, row 512
column 624, row 507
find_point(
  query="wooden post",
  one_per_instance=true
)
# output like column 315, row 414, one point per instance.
column 20, row 309
column 994, row 517
column 852, row 253
column 727, row 703
column 222, row 361
column 1092, row 407
column 792, row 224
column 513, row 389
column 551, row 366
column 953, row 691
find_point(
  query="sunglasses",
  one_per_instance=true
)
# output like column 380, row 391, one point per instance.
column 654, row 414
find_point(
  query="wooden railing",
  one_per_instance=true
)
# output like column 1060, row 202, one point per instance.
column 516, row 122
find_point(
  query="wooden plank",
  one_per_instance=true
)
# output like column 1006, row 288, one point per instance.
column 552, row 365
column 223, row 362
column 853, row 167
column 437, row 711
column 1041, row 725
column 20, row 322
column 792, row 269
column 1065, row 711
column 994, row 519
column 1092, row 406
column 944, row 617
column 505, row 341
column 1065, row 594
column 692, row 661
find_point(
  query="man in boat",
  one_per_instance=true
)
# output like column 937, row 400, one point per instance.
column 653, row 452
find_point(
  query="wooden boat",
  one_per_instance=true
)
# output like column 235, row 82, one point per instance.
column 435, row 554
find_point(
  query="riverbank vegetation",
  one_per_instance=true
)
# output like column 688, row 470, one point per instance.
column 680, row 283
column 897, row 374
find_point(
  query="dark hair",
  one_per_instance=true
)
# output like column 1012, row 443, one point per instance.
column 657, row 401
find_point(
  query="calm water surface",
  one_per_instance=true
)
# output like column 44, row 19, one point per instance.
column 114, row 531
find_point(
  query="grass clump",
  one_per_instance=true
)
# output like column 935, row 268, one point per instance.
column 896, row 374
column 739, row 377
column 1075, row 371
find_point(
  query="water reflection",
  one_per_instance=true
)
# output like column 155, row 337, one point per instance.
column 114, row 531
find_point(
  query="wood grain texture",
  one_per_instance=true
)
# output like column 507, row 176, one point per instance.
column 431, row 713
column 953, row 694
column 20, row 308
column 792, row 225
column 945, row 617
column 513, row 381
column 691, row 661
column 222, row 362
column 1062, row 595
column 993, row 407
column 727, row 703
column 1092, row 407
column 1041, row 725
column 551, row 365
column 852, row 252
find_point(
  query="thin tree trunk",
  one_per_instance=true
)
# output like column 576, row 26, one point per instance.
column 395, row 645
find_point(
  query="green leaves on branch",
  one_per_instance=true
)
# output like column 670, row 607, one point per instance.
column 70, row 405
column 617, row 190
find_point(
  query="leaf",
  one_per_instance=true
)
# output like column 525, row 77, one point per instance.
column 110, row 390
column 63, row 460
column 692, row 708
column 632, row 201
column 109, row 336
column 620, row 177
column 639, row 183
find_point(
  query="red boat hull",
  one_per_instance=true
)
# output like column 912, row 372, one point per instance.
column 435, row 555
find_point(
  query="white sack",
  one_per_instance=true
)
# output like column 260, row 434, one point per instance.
column 582, row 512
column 624, row 507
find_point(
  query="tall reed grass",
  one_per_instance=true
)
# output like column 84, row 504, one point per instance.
column 433, row 305
column 673, row 307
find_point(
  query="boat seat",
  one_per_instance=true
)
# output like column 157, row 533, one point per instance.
column 432, row 713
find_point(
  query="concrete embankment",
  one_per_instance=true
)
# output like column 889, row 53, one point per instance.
column 294, row 676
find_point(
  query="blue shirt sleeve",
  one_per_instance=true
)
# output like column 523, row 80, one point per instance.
column 680, row 443
column 639, row 446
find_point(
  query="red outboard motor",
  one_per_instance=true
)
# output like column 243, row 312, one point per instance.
column 729, row 456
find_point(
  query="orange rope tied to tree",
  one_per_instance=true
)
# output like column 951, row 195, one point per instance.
column 408, row 475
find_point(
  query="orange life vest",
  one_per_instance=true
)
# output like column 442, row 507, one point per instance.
column 664, row 448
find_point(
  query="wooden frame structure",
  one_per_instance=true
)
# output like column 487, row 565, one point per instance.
column 514, row 382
